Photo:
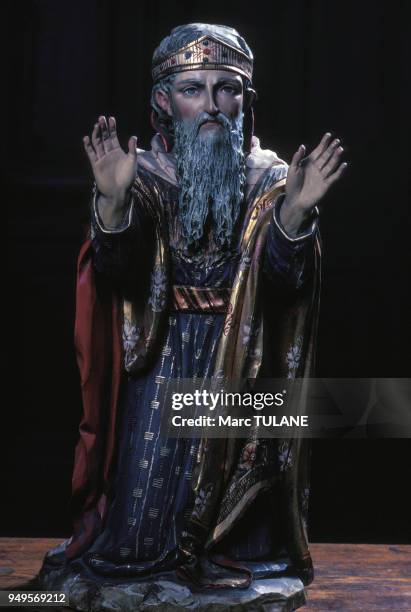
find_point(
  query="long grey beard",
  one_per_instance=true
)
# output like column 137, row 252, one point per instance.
column 210, row 170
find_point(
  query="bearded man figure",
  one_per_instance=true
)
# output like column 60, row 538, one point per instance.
column 202, row 261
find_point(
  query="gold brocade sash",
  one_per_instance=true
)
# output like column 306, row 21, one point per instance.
column 213, row 300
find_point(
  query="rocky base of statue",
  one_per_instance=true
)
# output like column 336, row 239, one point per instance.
column 166, row 592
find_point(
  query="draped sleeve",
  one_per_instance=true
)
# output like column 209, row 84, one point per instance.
column 119, row 252
column 289, row 261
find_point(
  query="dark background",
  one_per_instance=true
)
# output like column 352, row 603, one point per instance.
column 319, row 66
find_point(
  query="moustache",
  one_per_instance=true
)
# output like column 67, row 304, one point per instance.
column 220, row 118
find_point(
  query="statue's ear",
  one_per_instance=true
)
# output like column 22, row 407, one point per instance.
column 163, row 128
column 250, row 96
column 163, row 100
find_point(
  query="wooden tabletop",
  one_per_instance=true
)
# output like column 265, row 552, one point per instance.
column 364, row 577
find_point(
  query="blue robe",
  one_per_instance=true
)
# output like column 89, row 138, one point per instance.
column 152, row 493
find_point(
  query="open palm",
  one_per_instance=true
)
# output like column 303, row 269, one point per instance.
column 310, row 177
column 114, row 170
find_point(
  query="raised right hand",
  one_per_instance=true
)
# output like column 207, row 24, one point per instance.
column 114, row 170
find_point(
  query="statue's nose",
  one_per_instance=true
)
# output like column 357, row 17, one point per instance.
column 210, row 105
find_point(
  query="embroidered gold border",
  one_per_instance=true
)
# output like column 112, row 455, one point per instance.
column 206, row 53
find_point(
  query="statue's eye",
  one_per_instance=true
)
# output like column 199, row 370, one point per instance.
column 190, row 91
column 228, row 89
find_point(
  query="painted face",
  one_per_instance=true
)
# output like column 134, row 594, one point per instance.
column 209, row 91
column 206, row 108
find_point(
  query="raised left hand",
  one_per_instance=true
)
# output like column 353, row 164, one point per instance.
column 308, row 180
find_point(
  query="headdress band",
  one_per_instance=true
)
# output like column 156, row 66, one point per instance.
column 205, row 53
